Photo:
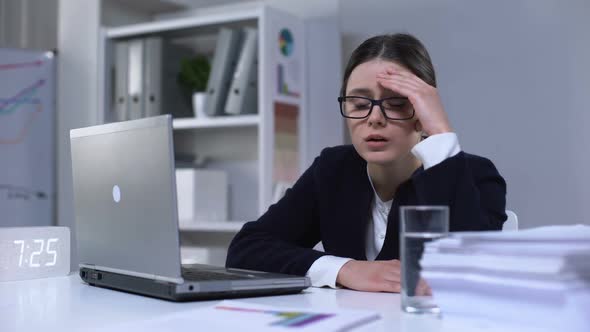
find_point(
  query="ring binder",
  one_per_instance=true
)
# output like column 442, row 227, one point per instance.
column 243, row 97
column 224, row 62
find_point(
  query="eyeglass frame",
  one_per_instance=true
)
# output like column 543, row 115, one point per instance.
column 374, row 102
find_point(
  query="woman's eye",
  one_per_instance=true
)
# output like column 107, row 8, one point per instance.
column 394, row 104
column 361, row 106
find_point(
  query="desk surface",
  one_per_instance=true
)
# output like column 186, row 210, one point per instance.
column 67, row 304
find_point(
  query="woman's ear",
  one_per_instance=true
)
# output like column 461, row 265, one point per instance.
column 418, row 126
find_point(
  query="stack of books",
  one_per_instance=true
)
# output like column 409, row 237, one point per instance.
column 531, row 280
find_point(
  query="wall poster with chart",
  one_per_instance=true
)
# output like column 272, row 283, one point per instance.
column 288, row 73
column 27, row 137
column 286, row 148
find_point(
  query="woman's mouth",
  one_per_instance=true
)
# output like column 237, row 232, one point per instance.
column 376, row 141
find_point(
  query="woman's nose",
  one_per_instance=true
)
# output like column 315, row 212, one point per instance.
column 376, row 117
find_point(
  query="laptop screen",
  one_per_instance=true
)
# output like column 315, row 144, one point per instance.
column 125, row 197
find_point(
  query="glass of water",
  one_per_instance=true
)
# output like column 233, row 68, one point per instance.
column 419, row 225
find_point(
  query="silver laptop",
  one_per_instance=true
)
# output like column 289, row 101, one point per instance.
column 127, row 219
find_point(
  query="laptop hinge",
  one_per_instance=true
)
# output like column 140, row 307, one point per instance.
column 163, row 279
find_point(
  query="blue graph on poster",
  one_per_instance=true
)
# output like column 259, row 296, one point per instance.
column 14, row 127
column 27, row 131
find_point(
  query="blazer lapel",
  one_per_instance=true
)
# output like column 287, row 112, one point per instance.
column 404, row 195
column 357, row 211
column 362, row 213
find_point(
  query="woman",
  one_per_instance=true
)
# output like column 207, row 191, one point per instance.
column 403, row 152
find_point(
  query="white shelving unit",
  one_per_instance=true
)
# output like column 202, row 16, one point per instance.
column 219, row 122
column 243, row 146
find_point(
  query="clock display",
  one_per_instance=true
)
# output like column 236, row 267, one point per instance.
column 34, row 252
column 37, row 253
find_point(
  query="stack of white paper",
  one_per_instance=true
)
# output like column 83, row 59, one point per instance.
column 537, row 279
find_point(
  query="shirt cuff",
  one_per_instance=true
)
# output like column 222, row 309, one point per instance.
column 436, row 148
column 324, row 271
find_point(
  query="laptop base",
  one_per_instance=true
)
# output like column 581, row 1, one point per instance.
column 168, row 290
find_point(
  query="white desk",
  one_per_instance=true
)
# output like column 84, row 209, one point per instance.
column 67, row 304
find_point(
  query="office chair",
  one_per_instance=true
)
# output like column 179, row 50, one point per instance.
column 511, row 224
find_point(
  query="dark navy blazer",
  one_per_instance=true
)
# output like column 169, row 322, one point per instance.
column 331, row 202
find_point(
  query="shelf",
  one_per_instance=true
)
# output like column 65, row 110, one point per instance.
column 244, row 145
column 183, row 23
column 213, row 226
column 295, row 100
column 217, row 122
column 152, row 6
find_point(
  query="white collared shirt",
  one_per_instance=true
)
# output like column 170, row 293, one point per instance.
column 377, row 225
column 431, row 151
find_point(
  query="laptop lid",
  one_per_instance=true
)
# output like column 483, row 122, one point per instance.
column 125, row 198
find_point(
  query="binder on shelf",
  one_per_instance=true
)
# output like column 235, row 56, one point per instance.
column 135, row 79
column 152, row 89
column 145, row 79
column 225, row 58
column 243, row 94
column 172, row 99
column 120, row 101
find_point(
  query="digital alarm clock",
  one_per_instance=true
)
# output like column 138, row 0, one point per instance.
column 34, row 252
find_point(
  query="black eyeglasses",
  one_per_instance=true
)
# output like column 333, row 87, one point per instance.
column 393, row 108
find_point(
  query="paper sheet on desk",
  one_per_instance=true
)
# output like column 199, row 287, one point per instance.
column 569, row 233
column 243, row 316
column 554, row 251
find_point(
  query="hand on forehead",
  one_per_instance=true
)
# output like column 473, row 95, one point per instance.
column 364, row 80
column 394, row 68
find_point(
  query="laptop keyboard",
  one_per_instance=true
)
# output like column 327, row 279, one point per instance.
column 200, row 275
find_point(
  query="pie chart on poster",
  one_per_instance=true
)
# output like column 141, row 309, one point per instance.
column 286, row 42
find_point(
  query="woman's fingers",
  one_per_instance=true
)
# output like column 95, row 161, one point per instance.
column 375, row 276
column 422, row 288
column 400, row 71
column 392, row 272
column 401, row 79
column 392, row 287
column 400, row 87
column 408, row 89
column 406, row 76
column 423, row 97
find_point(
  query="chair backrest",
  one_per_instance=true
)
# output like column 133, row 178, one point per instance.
column 511, row 224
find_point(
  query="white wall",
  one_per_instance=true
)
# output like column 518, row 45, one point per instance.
column 515, row 79
column 324, row 76
column 28, row 24
column 77, row 98
column 117, row 12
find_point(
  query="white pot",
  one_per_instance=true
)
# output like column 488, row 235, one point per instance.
column 199, row 104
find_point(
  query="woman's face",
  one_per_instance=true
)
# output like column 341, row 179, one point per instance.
column 377, row 139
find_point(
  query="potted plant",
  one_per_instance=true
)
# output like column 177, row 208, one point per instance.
column 193, row 77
